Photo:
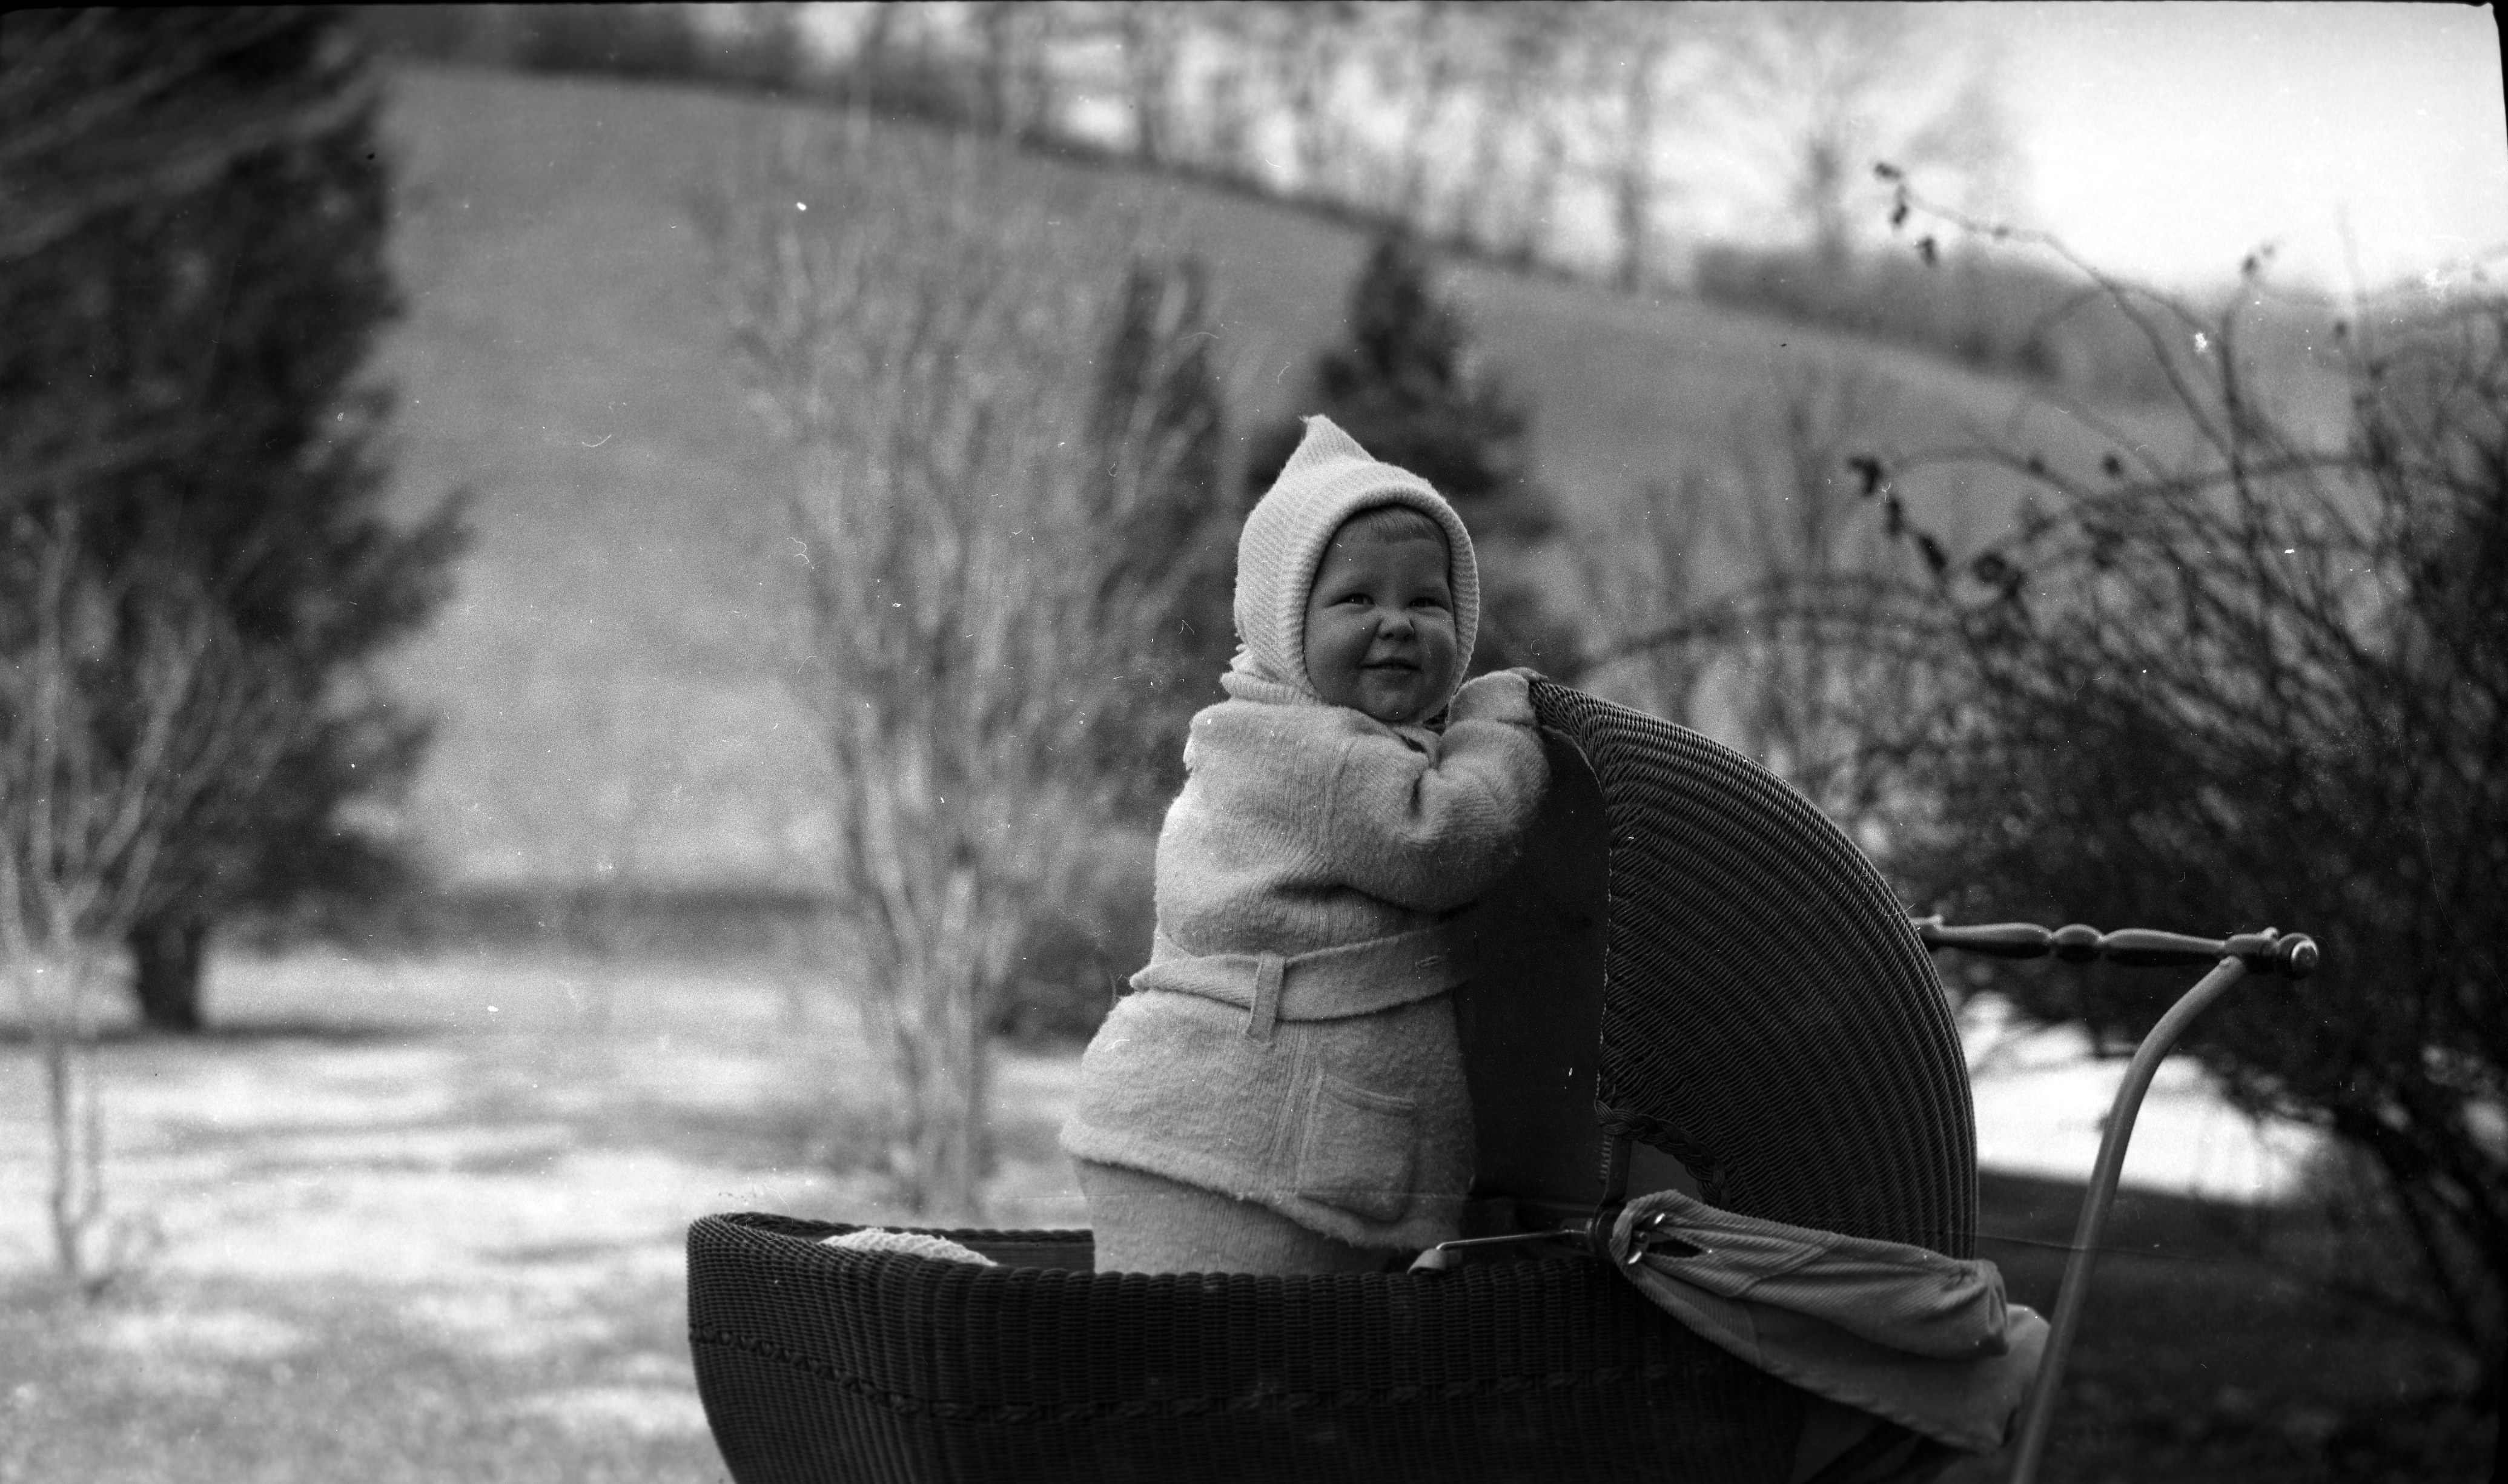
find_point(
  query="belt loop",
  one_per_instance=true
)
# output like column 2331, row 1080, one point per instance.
column 1268, row 970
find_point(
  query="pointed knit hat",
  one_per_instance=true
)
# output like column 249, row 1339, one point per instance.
column 1328, row 479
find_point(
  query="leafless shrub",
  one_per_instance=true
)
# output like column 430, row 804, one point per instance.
column 966, row 606
column 1647, row 580
column 2271, row 687
column 1700, row 640
column 2263, row 684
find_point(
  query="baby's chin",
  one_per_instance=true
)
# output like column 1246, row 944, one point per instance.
column 1395, row 704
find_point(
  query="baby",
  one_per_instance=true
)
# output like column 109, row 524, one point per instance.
column 1284, row 1091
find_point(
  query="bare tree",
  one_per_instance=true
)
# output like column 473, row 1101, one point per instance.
column 1416, row 56
column 1649, row 573
column 1304, row 46
column 97, row 766
column 1538, row 50
column 1230, row 114
column 1519, row 63
column 1017, row 84
column 878, row 45
column 963, row 615
column 1821, row 92
column 1795, row 705
column 1626, row 53
column 1693, row 637
column 1151, row 36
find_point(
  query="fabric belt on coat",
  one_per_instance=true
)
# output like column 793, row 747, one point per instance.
column 1328, row 984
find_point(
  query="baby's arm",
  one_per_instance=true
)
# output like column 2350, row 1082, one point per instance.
column 1433, row 833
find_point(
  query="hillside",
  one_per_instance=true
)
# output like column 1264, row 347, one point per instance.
column 607, row 699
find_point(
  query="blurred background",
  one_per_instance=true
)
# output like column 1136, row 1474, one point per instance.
column 600, row 602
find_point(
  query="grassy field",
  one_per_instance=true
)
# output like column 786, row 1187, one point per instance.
column 606, row 678
column 422, row 1220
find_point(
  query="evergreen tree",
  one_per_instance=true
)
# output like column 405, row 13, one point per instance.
column 1169, row 508
column 1406, row 385
column 1160, row 424
column 193, row 278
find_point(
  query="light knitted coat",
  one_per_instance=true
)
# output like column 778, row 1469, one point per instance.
column 1290, row 1042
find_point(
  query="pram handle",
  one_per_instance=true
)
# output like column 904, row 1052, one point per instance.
column 2291, row 955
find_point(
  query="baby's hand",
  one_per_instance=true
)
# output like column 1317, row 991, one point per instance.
column 1498, row 696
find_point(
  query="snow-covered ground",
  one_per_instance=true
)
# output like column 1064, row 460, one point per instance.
column 2042, row 1101
column 498, row 1159
column 577, row 1117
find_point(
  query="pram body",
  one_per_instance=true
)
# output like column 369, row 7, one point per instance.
column 1691, row 978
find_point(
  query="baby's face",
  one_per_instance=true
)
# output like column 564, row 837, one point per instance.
column 1380, row 625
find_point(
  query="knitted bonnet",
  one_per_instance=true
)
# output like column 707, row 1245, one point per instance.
column 1328, row 479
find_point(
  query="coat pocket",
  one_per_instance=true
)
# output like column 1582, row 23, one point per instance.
column 1359, row 1152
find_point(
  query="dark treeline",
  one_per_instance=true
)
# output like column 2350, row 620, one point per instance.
column 1551, row 137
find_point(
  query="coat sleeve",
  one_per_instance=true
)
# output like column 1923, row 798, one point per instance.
column 1433, row 831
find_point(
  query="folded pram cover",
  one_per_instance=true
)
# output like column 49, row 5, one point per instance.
column 1900, row 1331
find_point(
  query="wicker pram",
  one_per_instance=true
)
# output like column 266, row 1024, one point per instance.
column 1764, row 1014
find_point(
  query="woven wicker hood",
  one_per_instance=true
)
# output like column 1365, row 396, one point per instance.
column 1328, row 479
